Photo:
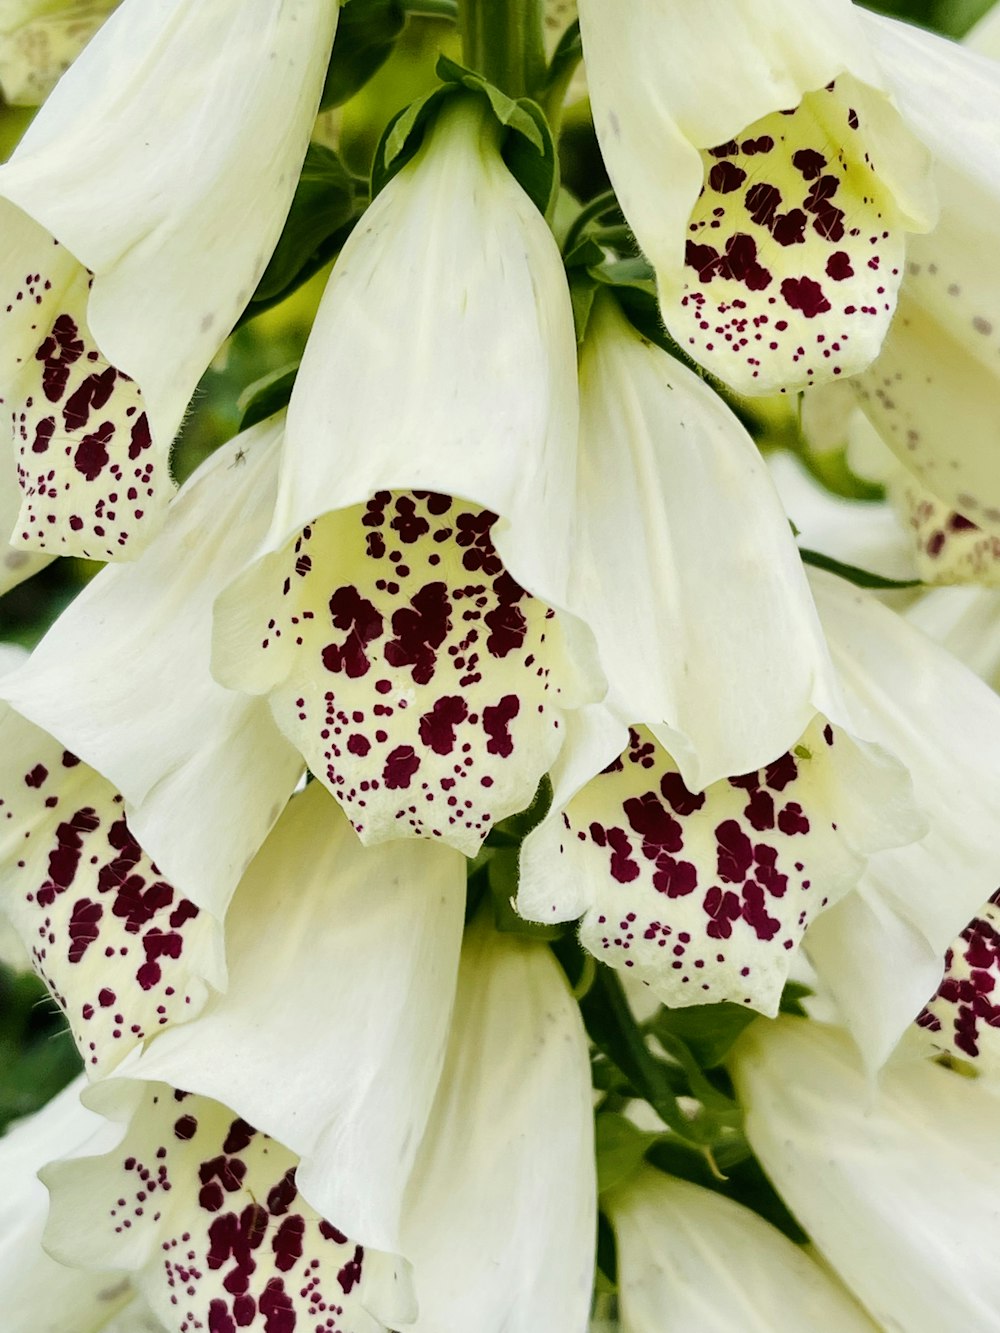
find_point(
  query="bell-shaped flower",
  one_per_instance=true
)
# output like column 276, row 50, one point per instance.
column 501, row 1210
column 38, row 1293
column 39, row 40
column 932, row 393
column 769, row 178
column 896, row 1186
column 963, row 1015
column 403, row 617
column 122, row 950
column 204, row 771
column 689, row 1258
column 163, row 164
column 719, row 800
column 881, row 951
column 369, row 939
column 202, row 1214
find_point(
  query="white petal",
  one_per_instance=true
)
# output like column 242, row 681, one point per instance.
column 204, row 1213
column 204, row 772
column 723, row 654
column 689, row 1258
column 363, row 423
column 857, row 532
column 949, row 548
column 985, row 36
column 120, row 169
column 898, row 1193
column 966, row 621
column 123, row 952
column 705, row 897
column 38, row 1293
column 332, row 1032
column 944, row 725
column 942, row 349
column 502, row 1206
column 38, row 42
column 765, row 295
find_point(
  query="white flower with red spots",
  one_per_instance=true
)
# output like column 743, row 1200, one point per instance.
column 404, row 618
column 719, row 801
column 768, row 178
column 101, row 200
column 39, row 40
column 933, row 391
column 689, row 1258
column 963, row 1015
column 895, row 1184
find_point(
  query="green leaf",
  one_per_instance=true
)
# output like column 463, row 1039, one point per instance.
column 620, row 1148
column 792, row 997
column 323, row 203
column 366, row 33
column 266, row 396
column 708, row 1031
column 861, row 578
column 528, row 148
column 565, row 59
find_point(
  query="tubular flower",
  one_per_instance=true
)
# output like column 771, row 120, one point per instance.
column 202, row 1214
column 107, row 195
column 39, row 40
column 897, row 1187
column 407, row 638
column 690, row 1258
column 775, row 207
column 963, row 1015
column 698, row 826
column 941, row 354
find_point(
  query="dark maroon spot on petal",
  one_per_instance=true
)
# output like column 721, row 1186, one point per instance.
column 420, row 630
column 186, row 1127
column 354, row 613
column 734, row 852
column 437, row 728
column 838, row 266
column 681, row 801
column 91, row 457
column 350, row 1274
column 400, row 767
column 806, row 295
column 496, row 724
column 762, row 203
column 809, row 162
column 84, row 927
column 726, row 177
column 790, row 228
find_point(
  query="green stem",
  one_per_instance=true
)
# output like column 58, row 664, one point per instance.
column 432, row 9
column 504, row 41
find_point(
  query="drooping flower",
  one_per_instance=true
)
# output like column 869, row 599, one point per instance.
column 896, row 1186
column 117, row 188
column 689, row 1258
column 404, row 621
column 39, row 40
column 719, row 800
column 768, row 178
column 932, row 393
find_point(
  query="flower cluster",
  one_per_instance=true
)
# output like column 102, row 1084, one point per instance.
column 472, row 729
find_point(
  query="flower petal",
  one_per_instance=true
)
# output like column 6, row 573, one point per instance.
column 501, row 1209
column 949, row 548
column 117, row 169
column 898, row 1194
column 205, row 1213
column 942, row 348
column 963, row 1017
column 38, row 1293
column 706, row 896
column 122, row 951
column 369, row 940
column 944, row 725
column 424, row 687
column 204, row 772
column 738, row 198
column 38, row 43
column 666, row 469
column 689, row 1258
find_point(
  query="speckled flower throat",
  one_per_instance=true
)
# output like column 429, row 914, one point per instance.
column 424, row 686
column 794, row 251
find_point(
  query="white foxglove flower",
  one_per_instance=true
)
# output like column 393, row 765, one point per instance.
column 163, row 164
column 948, row 547
column 407, row 638
column 932, row 393
column 719, row 801
column 897, row 1187
column 501, row 1210
column 365, row 941
column 689, row 1258
column 881, row 951
column 204, row 772
column 39, row 40
column 768, row 178
column 202, row 1214
column 963, row 1015
column 39, row 1294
